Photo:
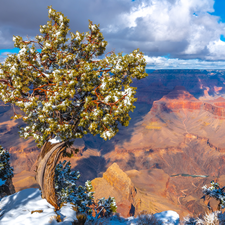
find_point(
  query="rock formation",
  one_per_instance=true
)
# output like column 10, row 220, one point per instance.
column 7, row 188
column 116, row 183
column 120, row 181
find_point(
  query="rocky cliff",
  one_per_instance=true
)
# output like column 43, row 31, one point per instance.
column 179, row 99
column 116, row 183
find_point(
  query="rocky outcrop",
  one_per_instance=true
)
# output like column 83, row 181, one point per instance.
column 117, row 184
column 125, row 208
column 7, row 188
column 120, row 181
column 216, row 109
column 135, row 191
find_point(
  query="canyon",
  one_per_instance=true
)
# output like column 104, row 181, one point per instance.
column 172, row 147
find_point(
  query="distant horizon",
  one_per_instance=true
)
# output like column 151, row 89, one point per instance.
column 186, row 69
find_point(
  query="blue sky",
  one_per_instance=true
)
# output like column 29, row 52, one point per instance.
column 219, row 7
column 172, row 34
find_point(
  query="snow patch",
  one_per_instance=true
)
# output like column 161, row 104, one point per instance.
column 55, row 140
column 168, row 217
column 16, row 209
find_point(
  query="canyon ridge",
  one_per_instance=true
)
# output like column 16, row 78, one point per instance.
column 172, row 147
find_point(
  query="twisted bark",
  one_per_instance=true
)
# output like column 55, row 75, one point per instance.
column 46, row 164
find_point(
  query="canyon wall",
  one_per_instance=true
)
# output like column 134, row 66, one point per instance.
column 178, row 127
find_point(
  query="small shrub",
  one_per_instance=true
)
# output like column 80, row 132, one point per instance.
column 147, row 219
column 6, row 171
column 215, row 192
column 68, row 191
column 209, row 219
column 80, row 196
column 214, row 218
column 188, row 221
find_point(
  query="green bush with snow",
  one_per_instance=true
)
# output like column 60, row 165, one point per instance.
column 6, row 171
column 216, row 192
column 81, row 196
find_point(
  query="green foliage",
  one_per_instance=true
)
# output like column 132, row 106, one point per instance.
column 216, row 192
column 67, row 189
column 65, row 91
column 106, row 207
column 6, row 171
column 81, row 197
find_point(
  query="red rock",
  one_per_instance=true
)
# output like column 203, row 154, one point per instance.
column 179, row 99
column 125, row 208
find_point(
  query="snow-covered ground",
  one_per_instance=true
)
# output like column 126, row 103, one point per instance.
column 17, row 209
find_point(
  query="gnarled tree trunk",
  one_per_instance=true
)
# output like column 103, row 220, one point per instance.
column 46, row 164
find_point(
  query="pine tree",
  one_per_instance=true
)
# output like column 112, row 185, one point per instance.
column 68, row 93
column 65, row 91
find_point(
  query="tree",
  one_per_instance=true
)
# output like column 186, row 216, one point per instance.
column 66, row 92
column 6, row 173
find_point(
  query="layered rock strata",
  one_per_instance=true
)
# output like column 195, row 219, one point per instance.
column 180, row 99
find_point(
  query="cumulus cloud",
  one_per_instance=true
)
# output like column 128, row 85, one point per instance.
column 216, row 49
column 184, row 29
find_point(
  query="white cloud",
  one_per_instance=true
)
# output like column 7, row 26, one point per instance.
column 216, row 49
column 175, row 63
column 5, row 53
column 182, row 28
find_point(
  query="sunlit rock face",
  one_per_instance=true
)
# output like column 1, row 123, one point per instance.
column 117, row 183
column 173, row 145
